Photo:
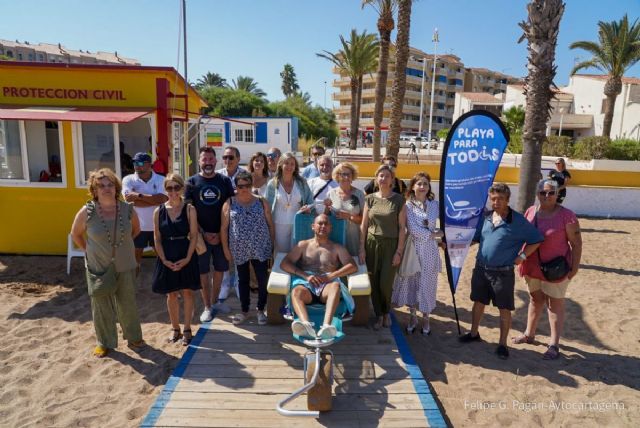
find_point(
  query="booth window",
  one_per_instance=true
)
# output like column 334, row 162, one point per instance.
column 32, row 144
column 239, row 135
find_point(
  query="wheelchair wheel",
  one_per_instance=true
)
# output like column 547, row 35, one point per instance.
column 274, row 303
column 319, row 397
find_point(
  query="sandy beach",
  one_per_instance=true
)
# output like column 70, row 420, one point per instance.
column 50, row 378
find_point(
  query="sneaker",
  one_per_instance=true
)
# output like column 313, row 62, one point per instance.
column 303, row 329
column 262, row 318
column 221, row 307
column 239, row 318
column 327, row 332
column 206, row 315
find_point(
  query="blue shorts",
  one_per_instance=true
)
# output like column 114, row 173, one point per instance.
column 316, row 292
column 144, row 239
column 220, row 262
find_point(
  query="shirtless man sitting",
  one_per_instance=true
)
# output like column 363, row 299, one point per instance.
column 316, row 266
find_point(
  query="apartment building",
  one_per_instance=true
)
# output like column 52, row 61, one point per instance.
column 451, row 79
column 45, row 52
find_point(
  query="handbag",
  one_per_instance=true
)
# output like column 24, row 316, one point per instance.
column 556, row 268
column 410, row 264
column 104, row 284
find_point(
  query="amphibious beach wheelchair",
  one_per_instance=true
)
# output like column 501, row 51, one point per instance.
column 318, row 361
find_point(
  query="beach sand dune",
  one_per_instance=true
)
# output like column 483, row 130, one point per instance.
column 49, row 377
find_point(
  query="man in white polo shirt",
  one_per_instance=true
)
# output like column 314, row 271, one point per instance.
column 231, row 160
column 145, row 190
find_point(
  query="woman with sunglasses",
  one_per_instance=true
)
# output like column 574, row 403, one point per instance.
column 562, row 176
column 104, row 228
column 561, row 231
column 418, row 291
column 247, row 235
column 259, row 169
column 347, row 203
column 177, row 272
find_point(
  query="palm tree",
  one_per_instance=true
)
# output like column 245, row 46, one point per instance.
column 247, row 84
column 289, row 81
column 211, row 79
column 357, row 57
column 400, row 79
column 541, row 32
column 513, row 119
column 617, row 51
column 385, row 9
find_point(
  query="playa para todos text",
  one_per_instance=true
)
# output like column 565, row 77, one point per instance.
column 466, row 145
column 546, row 406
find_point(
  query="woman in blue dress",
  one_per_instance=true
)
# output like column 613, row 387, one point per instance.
column 175, row 234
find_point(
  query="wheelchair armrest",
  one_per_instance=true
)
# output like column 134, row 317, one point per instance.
column 279, row 280
column 359, row 284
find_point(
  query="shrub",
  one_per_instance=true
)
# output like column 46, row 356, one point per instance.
column 623, row 150
column 591, row 148
column 557, row 146
column 515, row 144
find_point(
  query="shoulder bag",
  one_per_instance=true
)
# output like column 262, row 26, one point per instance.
column 410, row 264
column 201, row 247
column 556, row 268
column 104, row 284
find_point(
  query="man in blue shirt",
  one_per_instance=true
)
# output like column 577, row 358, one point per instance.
column 502, row 233
column 311, row 170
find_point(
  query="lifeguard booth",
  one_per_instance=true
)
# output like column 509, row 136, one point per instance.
column 60, row 121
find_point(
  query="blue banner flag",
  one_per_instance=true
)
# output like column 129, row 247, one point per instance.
column 470, row 159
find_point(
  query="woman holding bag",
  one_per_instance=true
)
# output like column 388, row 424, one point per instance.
column 177, row 271
column 417, row 279
column 562, row 240
column 104, row 228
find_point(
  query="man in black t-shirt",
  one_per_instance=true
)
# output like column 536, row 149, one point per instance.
column 208, row 191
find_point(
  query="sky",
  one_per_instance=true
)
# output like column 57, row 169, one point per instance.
column 257, row 37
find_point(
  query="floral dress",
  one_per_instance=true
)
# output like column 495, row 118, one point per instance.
column 419, row 290
column 249, row 237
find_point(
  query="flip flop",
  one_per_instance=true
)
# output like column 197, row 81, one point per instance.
column 552, row 353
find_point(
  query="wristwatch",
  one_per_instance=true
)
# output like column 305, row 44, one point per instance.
column 523, row 256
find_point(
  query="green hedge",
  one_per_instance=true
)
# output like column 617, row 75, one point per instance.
column 557, row 146
column 623, row 150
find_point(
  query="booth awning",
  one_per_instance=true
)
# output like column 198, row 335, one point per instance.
column 74, row 114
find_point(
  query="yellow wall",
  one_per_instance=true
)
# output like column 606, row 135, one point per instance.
column 37, row 220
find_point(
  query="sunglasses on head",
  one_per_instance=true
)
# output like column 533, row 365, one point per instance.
column 547, row 193
column 228, row 157
column 175, row 188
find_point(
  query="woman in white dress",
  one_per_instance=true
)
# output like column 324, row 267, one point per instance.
column 287, row 194
column 418, row 291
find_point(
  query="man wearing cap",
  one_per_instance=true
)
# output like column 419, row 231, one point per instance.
column 145, row 190
column 273, row 156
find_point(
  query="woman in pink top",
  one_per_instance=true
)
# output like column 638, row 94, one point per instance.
column 561, row 232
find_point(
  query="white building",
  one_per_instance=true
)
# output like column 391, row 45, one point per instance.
column 467, row 101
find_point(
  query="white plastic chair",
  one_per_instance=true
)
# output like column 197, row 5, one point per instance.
column 72, row 251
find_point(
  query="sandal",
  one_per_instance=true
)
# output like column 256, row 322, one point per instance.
column 186, row 338
column 175, row 336
column 552, row 353
column 100, row 351
column 523, row 338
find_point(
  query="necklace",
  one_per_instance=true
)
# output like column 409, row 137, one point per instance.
column 104, row 225
column 287, row 195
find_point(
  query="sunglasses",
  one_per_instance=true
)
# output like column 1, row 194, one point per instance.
column 547, row 194
column 228, row 157
column 106, row 186
column 272, row 156
column 175, row 188
column 425, row 223
column 345, row 174
column 316, row 154
column 243, row 186
column 138, row 163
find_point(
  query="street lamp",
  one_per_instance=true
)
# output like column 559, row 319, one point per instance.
column 424, row 75
column 325, row 94
column 561, row 110
column 433, row 87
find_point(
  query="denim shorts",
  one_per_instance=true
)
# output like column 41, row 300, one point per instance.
column 493, row 285
column 215, row 252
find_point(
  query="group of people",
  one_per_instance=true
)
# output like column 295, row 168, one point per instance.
column 234, row 219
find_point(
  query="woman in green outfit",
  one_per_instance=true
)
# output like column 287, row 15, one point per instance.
column 104, row 228
column 382, row 236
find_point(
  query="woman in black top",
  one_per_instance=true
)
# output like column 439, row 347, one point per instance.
column 561, row 176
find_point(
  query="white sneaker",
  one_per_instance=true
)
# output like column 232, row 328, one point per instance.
column 303, row 329
column 262, row 318
column 327, row 332
column 206, row 315
column 221, row 307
